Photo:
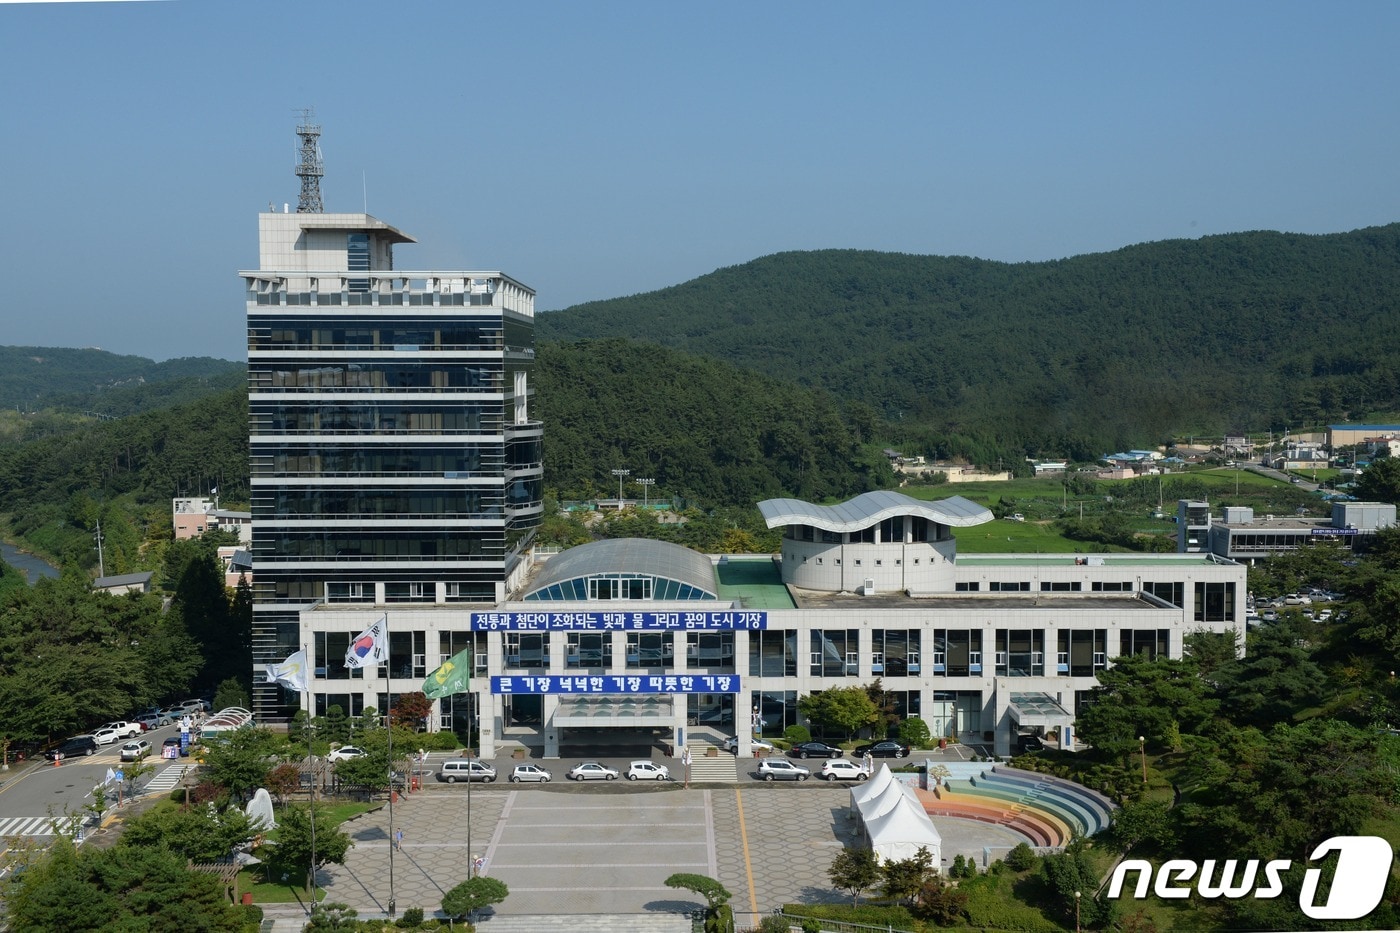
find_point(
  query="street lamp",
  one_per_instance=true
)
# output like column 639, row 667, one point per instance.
column 646, row 485
column 620, row 474
column 1142, row 751
column 1076, row 912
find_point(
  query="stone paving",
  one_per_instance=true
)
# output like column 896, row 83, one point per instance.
column 577, row 850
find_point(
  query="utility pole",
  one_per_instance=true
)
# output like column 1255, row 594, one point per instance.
column 101, row 567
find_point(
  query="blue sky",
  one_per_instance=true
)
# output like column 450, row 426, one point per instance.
column 594, row 150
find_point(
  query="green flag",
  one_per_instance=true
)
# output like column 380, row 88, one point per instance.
column 453, row 676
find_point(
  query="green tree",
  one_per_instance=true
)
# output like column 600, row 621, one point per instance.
column 240, row 759
column 844, row 708
column 472, row 895
column 198, row 834
column 1380, row 482
column 119, row 888
column 941, row 902
column 854, row 870
column 711, row 890
column 292, row 855
column 1149, row 698
column 231, row 693
column 903, row 879
column 1071, row 875
column 913, row 732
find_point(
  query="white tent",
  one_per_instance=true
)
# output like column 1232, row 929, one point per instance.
column 902, row 832
column 871, row 788
column 895, row 792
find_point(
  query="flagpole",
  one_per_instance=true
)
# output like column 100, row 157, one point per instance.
column 310, row 734
column 389, row 721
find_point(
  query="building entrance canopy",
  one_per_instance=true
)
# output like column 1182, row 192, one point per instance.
column 1039, row 709
column 653, row 711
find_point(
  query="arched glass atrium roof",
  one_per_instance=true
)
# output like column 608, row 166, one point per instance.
column 625, row 568
column 868, row 508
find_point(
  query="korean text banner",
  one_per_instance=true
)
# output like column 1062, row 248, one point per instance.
column 614, row 621
column 616, row 683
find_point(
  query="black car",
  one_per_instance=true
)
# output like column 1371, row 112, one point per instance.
column 816, row 750
column 1029, row 743
column 882, row 750
column 72, row 748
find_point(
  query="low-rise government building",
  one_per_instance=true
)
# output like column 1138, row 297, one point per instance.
column 649, row 636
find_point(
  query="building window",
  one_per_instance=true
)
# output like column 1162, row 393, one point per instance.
column 1009, row 586
column 330, row 649
column 895, row 652
column 1214, row 602
column 349, row 592
column 407, row 655
column 971, row 586
column 1110, row 586
column 1020, row 653
column 1172, row 593
column 957, row 652
column 1153, row 643
column 709, row 649
column 589, row 649
column 772, row 654
column 1081, row 652
column 1060, row 586
column 651, row 650
column 527, row 650
column 410, row 592
column 834, row 653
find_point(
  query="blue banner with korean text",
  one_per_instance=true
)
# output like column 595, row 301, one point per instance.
column 615, row 621
column 616, row 683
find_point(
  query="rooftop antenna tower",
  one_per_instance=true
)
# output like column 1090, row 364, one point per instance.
column 310, row 169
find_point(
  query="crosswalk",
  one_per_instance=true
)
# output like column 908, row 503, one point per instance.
column 167, row 779
column 26, row 826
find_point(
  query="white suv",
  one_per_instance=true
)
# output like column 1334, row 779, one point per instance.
column 839, row 769
column 780, row 769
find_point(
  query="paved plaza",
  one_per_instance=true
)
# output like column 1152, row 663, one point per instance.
column 605, row 849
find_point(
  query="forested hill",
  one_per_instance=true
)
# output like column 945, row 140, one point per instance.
column 701, row 428
column 33, row 378
column 1238, row 332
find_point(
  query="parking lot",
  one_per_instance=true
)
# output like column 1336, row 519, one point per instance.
column 606, row 847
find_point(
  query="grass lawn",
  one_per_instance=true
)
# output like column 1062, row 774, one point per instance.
column 1008, row 537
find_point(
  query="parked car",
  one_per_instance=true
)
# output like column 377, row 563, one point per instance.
column 124, row 729
column 344, row 752
column 174, row 741
column 1029, row 743
column 194, row 706
column 780, row 769
column 839, row 769
column 816, row 750
column 882, row 750
column 592, row 771
column 71, row 748
column 646, row 771
column 107, row 735
column 732, row 744
column 530, row 773
column 465, row 769
column 151, row 721
column 135, row 750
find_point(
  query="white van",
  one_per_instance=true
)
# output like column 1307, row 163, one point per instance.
column 465, row 769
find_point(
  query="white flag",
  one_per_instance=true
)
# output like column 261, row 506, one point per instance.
column 111, row 778
column 371, row 647
column 291, row 673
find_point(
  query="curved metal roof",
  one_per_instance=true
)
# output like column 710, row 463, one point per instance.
column 634, row 556
column 869, row 508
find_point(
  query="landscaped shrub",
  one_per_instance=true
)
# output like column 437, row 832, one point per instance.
column 1020, row 858
column 774, row 924
column 412, row 917
column 796, row 734
column 894, row 917
column 914, row 731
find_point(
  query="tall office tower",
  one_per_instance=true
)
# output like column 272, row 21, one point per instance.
column 394, row 463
